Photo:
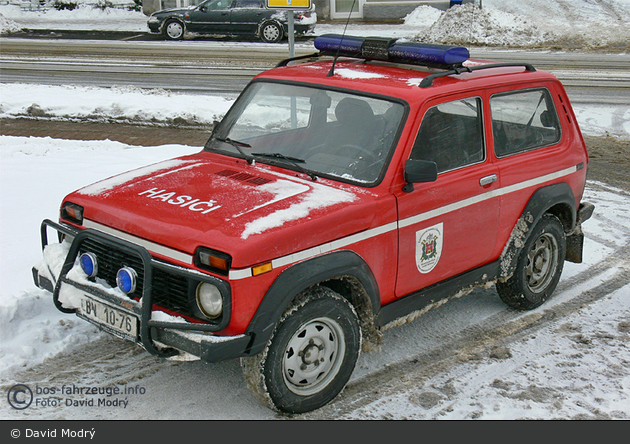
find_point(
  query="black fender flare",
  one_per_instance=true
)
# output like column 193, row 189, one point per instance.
column 301, row 276
column 557, row 199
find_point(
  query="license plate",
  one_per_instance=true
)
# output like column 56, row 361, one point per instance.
column 111, row 319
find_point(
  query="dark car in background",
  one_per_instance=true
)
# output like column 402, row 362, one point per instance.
column 247, row 18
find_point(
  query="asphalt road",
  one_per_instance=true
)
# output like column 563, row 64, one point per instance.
column 225, row 66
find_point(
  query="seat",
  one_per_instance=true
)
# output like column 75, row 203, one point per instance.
column 355, row 123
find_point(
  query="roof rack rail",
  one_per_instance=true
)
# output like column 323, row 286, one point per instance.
column 428, row 80
column 285, row 62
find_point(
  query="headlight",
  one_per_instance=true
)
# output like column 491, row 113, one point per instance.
column 209, row 300
column 153, row 19
column 72, row 212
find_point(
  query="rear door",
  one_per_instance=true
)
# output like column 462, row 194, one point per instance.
column 247, row 15
column 448, row 226
column 211, row 17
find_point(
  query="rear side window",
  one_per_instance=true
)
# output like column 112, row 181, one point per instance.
column 523, row 121
column 248, row 4
column 451, row 135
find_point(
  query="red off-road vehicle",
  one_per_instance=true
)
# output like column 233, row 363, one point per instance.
column 338, row 195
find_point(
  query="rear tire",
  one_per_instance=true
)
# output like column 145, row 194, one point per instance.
column 271, row 32
column 538, row 268
column 310, row 356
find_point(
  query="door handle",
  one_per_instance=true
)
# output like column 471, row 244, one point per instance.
column 488, row 180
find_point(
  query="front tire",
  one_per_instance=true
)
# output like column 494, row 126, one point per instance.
column 271, row 32
column 174, row 30
column 310, row 356
column 538, row 268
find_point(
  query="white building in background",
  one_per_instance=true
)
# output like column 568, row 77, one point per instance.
column 367, row 10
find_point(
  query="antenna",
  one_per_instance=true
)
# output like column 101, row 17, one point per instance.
column 332, row 68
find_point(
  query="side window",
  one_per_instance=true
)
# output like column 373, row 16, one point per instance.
column 523, row 121
column 248, row 4
column 451, row 135
column 217, row 5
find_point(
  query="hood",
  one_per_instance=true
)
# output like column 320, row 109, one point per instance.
column 222, row 203
column 173, row 11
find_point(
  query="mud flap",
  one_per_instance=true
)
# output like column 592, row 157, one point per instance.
column 575, row 240
column 575, row 246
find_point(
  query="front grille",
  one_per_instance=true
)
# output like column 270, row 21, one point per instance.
column 169, row 290
column 112, row 259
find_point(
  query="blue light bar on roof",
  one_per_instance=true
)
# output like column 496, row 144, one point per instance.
column 347, row 45
column 426, row 53
column 390, row 50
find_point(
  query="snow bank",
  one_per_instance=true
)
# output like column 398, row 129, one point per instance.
column 469, row 25
column 7, row 26
column 121, row 103
column 86, row 17
column 553, row 24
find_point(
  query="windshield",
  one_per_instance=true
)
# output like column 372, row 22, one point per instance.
column 328, row 133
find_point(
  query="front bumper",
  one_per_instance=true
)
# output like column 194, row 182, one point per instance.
column 165, row 338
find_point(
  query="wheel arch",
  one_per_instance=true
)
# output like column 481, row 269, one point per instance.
column 557, row 199
column 345, row 272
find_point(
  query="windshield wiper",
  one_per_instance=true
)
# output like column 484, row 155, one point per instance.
column 292, row 160
column 236, row 144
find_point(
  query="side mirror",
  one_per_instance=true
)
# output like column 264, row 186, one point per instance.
column 419, row 171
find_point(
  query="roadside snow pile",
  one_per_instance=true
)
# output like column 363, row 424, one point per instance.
column 423, row 17
column 32, row 329
column 82, row 18
column 504, row 23
column 7, row 26
column 469, row 25
column 119, row 103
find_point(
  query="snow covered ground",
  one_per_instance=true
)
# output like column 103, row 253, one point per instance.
column 576, row 367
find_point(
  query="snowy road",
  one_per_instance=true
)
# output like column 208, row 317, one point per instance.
column 219, row 67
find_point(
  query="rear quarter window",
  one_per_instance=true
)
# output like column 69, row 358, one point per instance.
column 523, row 120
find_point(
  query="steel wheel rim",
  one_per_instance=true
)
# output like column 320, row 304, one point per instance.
column 271, row 32
column 313, row 356
column 174, row 30
column 542, row 261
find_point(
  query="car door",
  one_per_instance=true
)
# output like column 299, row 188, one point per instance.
column 448, row 226
column 211, row 17
column 247, row 15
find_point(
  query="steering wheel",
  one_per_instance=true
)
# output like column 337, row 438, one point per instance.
column 368, row 156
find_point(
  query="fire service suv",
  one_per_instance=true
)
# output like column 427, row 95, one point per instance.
column 342, row 192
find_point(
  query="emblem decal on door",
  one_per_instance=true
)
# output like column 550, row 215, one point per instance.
column 429, row 244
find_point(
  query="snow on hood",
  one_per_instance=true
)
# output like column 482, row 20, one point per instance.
column 194, row 200
column 316, row 196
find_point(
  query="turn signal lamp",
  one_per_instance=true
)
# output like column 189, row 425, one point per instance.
column 391, row 50
column 213, row 260
column 262, row 268
column 72, row 212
